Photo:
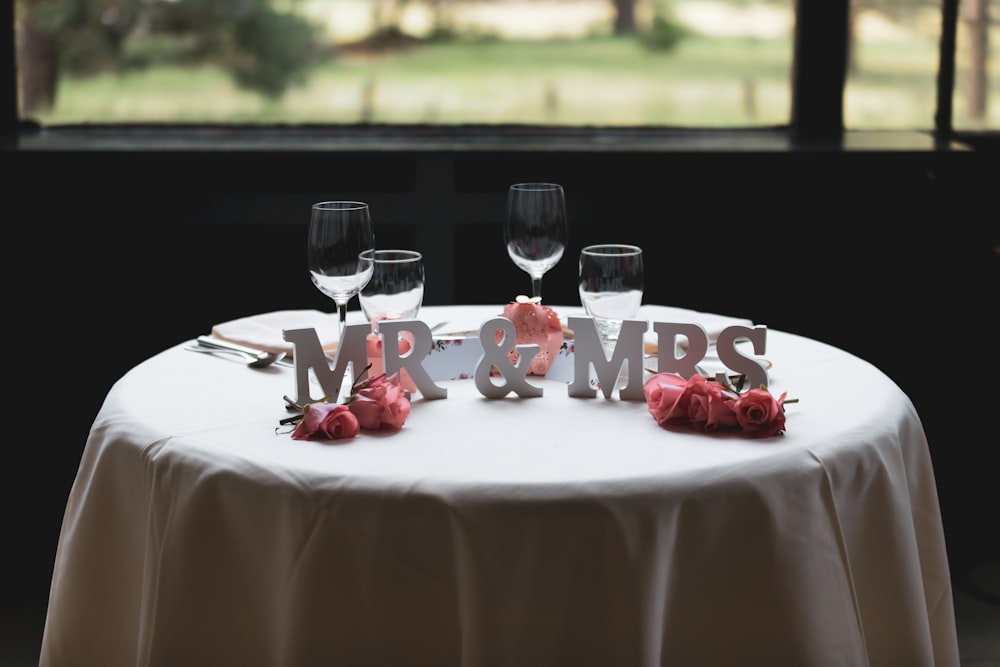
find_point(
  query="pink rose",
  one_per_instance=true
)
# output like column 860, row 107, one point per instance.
column 759, row 414
column 709, row 407
column 668, row 398
column 326, row 420
column 380, row 402
column 374, row 347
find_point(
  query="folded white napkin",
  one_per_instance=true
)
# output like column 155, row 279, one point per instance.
column 714, row 324
column 265, row 331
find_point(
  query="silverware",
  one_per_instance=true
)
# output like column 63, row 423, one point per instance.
column 253, row 357
column 251, row 362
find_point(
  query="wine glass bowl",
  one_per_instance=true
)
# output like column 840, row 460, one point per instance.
column 339, row 234
column 611, row 286
column 396, row 288
column 535, row 229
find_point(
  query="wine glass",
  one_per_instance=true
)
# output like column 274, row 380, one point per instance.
column 339, row 234
column 396, row 288
column 395, row 292
column 611, row 284
column 535, row 229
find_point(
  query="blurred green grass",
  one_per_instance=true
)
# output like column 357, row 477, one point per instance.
column 708, row 81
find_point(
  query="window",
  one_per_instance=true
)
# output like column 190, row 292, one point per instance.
column 570, row 64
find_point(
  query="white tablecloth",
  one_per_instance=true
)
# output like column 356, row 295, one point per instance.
column 542, row 531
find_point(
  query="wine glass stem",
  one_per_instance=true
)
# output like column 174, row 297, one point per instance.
column 342, row 313
column 345, row 386
column 536, row 286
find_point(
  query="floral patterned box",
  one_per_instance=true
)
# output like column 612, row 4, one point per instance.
column 456, row 359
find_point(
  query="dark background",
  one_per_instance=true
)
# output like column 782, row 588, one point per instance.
column 114, row 255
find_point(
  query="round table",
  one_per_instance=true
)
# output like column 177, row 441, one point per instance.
column 514, row 531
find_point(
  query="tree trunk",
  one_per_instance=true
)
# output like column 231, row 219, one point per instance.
column 852, row 40
column 977, row 26
column 38, row 63
column 625, row 17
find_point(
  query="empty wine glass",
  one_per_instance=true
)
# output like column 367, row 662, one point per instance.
column 395, row 292
column 396, row 288
column 339, row 234
column 611, row 285
column 535, row 229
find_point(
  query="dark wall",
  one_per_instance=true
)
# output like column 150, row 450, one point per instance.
column 114, row 256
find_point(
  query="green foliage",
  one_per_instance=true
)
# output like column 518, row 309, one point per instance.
column 162, row 50
column 264, row 50
column 86, row 51
column 278, row 51
column 663, row 34
column 205, row 16
column 58, row 15
column 89, row 33
column 449, row 35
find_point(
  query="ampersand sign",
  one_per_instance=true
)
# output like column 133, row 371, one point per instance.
column 495, row 354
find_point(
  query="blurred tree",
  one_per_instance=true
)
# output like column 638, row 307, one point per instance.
column 53, row 34
column 38, row 57
column 664, row 33
column 387, row 15
column 263, row 49
column 976, row 19
column 975, row 14
column 625, row 23
column 273, row 51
